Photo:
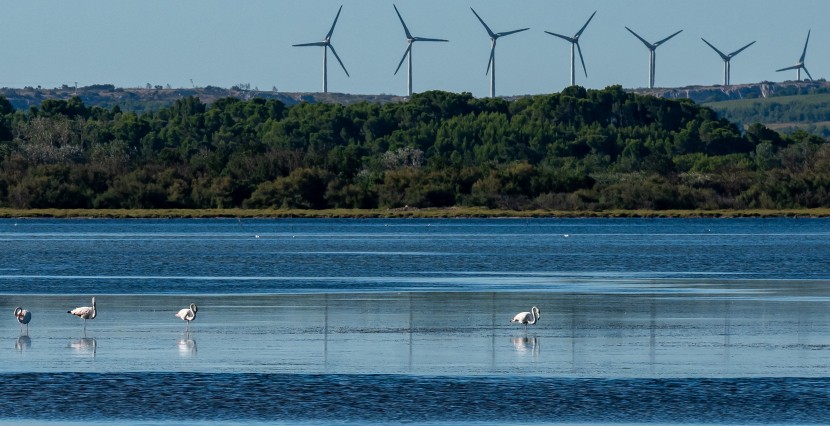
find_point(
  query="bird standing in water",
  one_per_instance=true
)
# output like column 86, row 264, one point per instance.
column 188, row 314
column 85, row 312
column 527, row 317
column 23, row 317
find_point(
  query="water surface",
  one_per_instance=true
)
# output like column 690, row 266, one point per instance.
column 356, row 321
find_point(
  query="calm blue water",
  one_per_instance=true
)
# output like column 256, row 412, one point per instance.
column 378, row 321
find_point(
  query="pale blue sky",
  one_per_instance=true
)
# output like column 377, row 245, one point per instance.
column 222, row 42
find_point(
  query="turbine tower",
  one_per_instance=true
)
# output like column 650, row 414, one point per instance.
column 491, row 63
column 651, row 49
column 326, row 45
column 800, row 65
column 727, row 67
column 575, row 44
column 408, row 53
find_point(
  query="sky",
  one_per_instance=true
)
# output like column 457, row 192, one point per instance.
column 130, row 43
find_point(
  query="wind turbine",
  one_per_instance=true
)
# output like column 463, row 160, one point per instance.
column 408, row 52
column 727, row 67
column 326, row 45
column 491, row 64
column 800, row 65
column 575, row 43
column 651, row 49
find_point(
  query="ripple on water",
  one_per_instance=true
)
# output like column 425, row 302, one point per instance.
column 376, row 398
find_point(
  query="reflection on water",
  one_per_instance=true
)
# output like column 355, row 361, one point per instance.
column 23, row 342
column 526, row 345
column 187, row 346
column 85, row 345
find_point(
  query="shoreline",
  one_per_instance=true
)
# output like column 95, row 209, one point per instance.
column 399, row 213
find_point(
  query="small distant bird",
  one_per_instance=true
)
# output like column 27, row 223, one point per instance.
column 188, row 314
column 527, row 317
column 85, row 312
column 23, row 317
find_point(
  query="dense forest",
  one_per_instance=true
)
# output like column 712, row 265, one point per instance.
column 576, row 150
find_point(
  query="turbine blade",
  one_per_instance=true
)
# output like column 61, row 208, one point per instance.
column 649, row 45
column 507, row 33
column 579, row 49
column 667, row 38
column 794, row 67
column 492, row 58
column 405, row 29
column 338, row 60
column 316, row 43
column 566, row 38
column 804, row 53
column 724, row 57
column 428, row 39
column 489, row 31
column 406, row 52
column 740, row 50
column 328, row 36
column 808, row 72
column 579, row 33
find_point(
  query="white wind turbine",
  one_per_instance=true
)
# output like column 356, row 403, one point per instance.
column 651, row 56
column 727, row 59
column 574, row 48
column 491, row 63
column 408, row 53
column 326, row 45
column 800, row 65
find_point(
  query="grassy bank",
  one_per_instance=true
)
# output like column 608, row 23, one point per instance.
column 396, row 213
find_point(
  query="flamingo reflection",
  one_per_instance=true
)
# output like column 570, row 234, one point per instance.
column 526, row 345
column 85, row 345
column 187, row 346
column 23, row 343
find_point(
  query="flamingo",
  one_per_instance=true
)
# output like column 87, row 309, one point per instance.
column 188, row 314
column 23, row 317
column 527, row 317
column 85, row 312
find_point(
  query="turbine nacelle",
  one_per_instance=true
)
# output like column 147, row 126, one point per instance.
column 575, row 42
column 652, row 48
column 726, row 60
column 410, row 39
column 491, row 63
column 326, row 45
column 800, row 64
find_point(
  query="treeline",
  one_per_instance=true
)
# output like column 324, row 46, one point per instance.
column 577, row 150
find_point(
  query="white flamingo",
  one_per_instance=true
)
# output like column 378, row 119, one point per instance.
column 188, row 314
column 23, row 317
column 527, row 317
column 85, row 312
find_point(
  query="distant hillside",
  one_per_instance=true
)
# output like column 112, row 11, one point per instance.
column 784, row 106
column 145, row 99
column 151, row 99
column 784, row 113
column 718, row 93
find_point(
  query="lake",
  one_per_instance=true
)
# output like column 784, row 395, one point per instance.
column 356, row 321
